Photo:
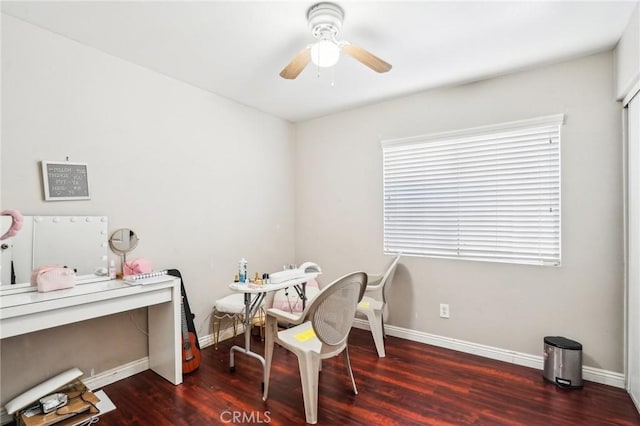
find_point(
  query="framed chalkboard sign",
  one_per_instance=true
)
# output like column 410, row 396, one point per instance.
column 65, row 181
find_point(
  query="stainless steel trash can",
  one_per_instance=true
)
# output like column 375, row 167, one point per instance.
column 563, row 362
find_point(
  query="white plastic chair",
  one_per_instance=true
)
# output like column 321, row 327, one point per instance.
column 320, row 332
column 374, row 302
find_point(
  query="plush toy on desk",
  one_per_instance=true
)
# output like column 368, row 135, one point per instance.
column 138, row 266
column 16, row 223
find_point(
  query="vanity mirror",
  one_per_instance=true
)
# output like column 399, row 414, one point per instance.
column 122, row 241
column 79, row 242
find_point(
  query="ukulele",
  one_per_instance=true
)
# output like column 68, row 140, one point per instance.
column 190, row 352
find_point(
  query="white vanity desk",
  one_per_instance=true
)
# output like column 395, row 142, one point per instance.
column 22, row 313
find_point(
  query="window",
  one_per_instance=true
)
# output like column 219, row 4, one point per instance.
column 490, row 193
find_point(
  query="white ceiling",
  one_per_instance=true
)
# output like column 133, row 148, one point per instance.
column 237, row 48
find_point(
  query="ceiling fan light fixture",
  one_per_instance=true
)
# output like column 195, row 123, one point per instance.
column 325, row 22
column 325, row 53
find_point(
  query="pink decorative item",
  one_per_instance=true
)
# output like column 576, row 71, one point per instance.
column 38, row 270
column 138, row 266
column 53, row 277
column 16, row 223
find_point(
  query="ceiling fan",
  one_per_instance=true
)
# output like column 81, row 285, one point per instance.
column 325, row 22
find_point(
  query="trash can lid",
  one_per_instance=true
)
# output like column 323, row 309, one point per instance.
column 562, row 343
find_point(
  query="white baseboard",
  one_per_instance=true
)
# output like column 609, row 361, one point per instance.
column 225, row 333
column 519, row 358
column 113, row 375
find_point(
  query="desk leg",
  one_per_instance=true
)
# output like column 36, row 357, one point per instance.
column 247, row 333
column 248, row 317
column 165, row 356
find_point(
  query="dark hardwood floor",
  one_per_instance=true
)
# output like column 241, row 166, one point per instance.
column 415, row 384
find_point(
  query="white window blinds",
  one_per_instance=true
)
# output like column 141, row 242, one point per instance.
column 489, row 193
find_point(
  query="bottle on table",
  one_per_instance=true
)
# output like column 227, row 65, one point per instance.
column 242, row 270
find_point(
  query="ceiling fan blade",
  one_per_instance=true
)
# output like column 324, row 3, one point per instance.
column 367, row 58
column 298, row 63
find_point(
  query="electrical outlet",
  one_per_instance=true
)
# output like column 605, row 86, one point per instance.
column 444, row 310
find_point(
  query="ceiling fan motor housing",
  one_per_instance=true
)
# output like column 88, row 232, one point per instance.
column 325, row 20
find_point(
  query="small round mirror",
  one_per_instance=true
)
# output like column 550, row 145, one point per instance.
column 123, row 240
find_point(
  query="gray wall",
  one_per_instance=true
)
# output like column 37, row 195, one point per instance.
column 339, row 212
column 203, row 180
